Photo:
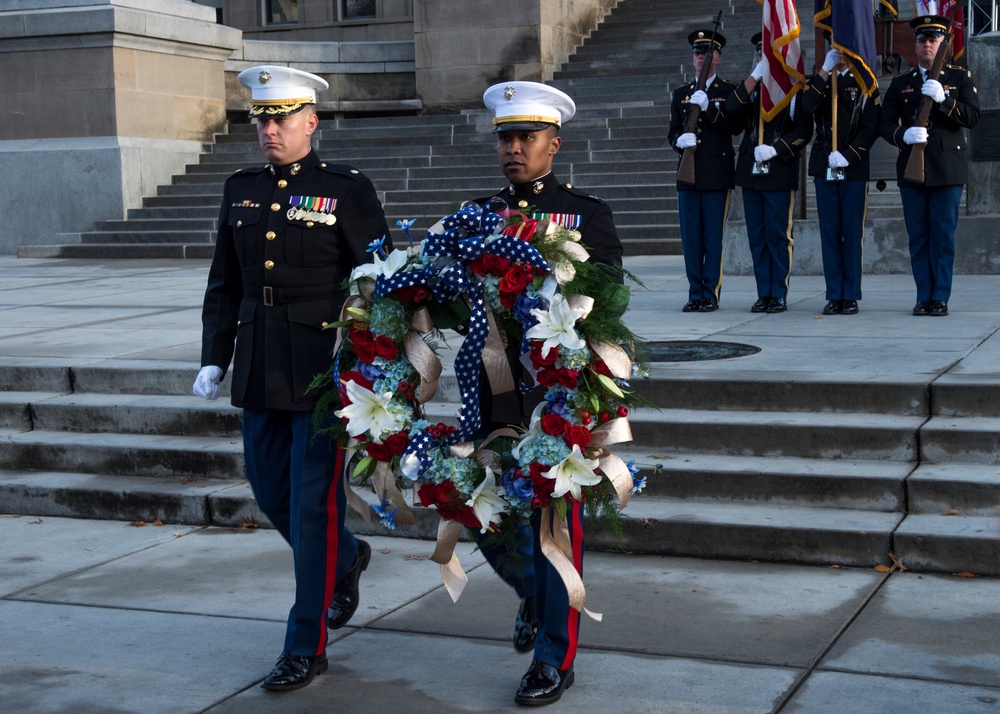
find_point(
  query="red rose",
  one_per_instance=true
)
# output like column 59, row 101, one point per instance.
column 548, row 377
column 538, row 360
column 361, row 335
column 379, row 452
column 579, row 435
column 508, row 299
column 553, row 424
column 567, row 377
column 397, row 443
column 385, row 347
column 517, row 278
column 543, row 486
column 365, row 352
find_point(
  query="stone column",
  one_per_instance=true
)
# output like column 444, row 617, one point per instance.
column 984, row 173
column 102, row 100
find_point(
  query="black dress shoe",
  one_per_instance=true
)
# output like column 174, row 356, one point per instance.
column 708, row 305
column 543, row 684
column 832, row 307
column 294, row 672
column 760, row 305
column 849, row 307
column 938, row 309
column 525, row 626
column 345, row 595
column 691, row 306
column 777, row 305
column 922, row 308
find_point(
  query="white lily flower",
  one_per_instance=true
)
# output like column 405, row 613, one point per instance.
column 572, row 473
column 555, row 326
column 367, row 412
column 386, row 267
column 486, row 502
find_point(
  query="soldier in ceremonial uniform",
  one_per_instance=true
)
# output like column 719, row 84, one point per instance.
column 704, row 205
column 841, row 176
column 527, row 117
column 769, row 176
column 930, row 209
column 290, row 232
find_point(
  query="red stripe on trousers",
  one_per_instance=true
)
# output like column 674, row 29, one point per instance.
column 573, row 623
column 332, row 542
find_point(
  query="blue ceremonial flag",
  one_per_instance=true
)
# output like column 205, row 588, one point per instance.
column 851, row 25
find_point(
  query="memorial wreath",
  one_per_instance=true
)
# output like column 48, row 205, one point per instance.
column 504, row 282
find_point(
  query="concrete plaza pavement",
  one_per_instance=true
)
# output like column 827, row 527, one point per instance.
column 108, row 617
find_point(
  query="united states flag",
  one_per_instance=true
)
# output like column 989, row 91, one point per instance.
column 784, row 72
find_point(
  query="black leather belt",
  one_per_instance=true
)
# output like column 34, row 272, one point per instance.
column 270, row 296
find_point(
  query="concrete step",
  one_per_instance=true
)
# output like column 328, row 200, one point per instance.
column 961, row 489
column 146, row 455
column 772, row 480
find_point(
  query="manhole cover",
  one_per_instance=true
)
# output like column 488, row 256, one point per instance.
column 695, row 351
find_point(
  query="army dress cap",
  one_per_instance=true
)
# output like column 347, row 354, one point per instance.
column 701, row 41
column 757, row 41
column 279, row 91
column 527, row 106
column 930, row 26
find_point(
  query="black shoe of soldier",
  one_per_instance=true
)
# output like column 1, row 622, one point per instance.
column 345, row 595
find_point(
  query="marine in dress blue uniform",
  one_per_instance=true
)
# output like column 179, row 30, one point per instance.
column 768, row 198
column 930, row 209
column 289, row 233
column 527, row 118
column 704, row 205
column 842, row 204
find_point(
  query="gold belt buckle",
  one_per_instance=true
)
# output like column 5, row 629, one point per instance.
column 268, row 296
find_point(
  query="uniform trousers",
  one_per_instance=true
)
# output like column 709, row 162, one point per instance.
column 769, row 231
column 931, row 216
column 298, row 483
column 842, row 207
column 529, row 572
column 703, row 219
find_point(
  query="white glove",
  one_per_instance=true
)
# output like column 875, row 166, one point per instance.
column 758, row 71
column 837, row 160
column 832, row 60
column 933, row 89
column 206, row 384
column 764, row 152
column 686, row 141
column 915, row 135
column 701, row 99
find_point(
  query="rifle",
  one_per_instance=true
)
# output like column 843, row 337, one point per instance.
column 685, row 172
column 915, row 164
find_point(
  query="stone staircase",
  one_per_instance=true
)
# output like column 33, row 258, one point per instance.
column 425, row 166
column 806, row 471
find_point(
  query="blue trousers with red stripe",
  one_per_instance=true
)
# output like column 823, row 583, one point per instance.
column 297, row 481
column 558, row 623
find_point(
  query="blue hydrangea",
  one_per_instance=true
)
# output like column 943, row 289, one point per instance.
column 543, row 448
column 575, row 359
column 389, row 318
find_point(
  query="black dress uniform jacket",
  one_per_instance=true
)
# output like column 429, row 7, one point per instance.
column 857, row 124
column 713, row 161
column 788, row 133
column 946, row 157
column 275, row 280
column 593, row 219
